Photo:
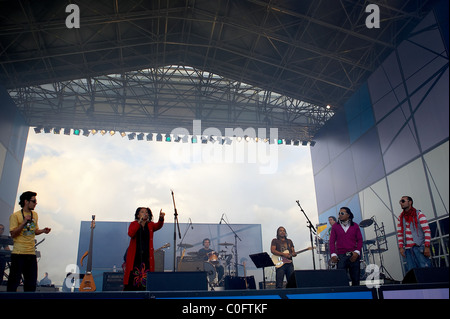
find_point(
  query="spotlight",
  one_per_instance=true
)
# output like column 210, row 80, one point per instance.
column 194, row 139
column 86, row 132
column 204, row 140
column 158, row 137
column 47, row 129
column 103, row 132
column 131, row 136
column 280, row 141
column 288, row 142
column 304, row 143
column 56, row 130
column 112, row 132
column 168, row 138
column 312, row 143
column 150, row 137
column 123, row 134
column 94, row 131
column 140, row 137
column 212, row 139
column 296, row 143
column 77, row 131
column 67, row 131
column 38, row 129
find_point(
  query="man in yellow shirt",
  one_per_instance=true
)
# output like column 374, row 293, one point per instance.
column 23, row 227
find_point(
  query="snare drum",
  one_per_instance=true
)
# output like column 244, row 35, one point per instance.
column 213, row 257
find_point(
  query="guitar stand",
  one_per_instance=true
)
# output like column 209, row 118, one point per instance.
column 262, row 260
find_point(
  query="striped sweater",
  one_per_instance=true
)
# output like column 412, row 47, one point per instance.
column 410, row 236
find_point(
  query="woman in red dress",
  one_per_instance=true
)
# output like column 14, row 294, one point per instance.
column 140, row 257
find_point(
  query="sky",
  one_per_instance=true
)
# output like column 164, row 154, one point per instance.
column 109, row 176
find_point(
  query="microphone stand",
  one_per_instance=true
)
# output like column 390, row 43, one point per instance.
column 311, row 231
column 236, row 237
column 175, row 224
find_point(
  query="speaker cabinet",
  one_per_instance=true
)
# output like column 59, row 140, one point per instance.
column 112, row 281
column 318, row 278
column 239, row 283
column 177, row 281
column 426, row 275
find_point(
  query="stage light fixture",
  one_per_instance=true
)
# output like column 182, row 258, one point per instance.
column 194, row 139
column 212, row 139
column 38, row 129
column 131, row 136
column 296, row 143
column 103, row 132
column 312, row 143
column 57, row 130
column 280, row 141
column 159, row 137
column 140, row 137
column 76, row 131
column 226, row 141
column 168, row 138
column 150, row 137
column 47, row 129
column 204, row 140
column 304, row 143
column 288, row 142
column 86, row 132
column 93, row 131
column 112, row 132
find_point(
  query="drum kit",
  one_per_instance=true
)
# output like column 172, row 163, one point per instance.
column 216, row 263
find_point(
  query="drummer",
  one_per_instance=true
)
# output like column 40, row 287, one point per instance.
column 209, row 255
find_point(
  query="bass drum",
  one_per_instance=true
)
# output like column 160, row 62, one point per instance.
column 211, row 272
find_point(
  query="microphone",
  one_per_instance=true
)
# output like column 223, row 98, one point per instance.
column 221, row 218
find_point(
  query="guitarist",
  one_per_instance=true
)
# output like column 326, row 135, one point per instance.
column 282, row 246
column 140, row 254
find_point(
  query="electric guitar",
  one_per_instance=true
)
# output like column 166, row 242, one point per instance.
column 88, row 284
column 162, row 247
column 279, row 261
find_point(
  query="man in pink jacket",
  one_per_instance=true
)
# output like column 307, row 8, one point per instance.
column 346, row 244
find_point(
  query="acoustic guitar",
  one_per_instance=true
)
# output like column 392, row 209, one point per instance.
column 279, row 261
column 88, row 284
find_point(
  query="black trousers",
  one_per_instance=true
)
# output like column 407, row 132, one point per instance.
column 285, row 270
column 25, row 265
column 352, row 267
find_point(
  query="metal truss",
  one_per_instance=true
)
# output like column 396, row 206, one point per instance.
column 160, row 100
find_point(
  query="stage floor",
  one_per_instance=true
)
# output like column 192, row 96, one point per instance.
column 396, row 291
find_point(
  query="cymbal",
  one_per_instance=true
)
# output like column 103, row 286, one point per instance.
column 226, row 244
column 185, row 245
column 366, row 223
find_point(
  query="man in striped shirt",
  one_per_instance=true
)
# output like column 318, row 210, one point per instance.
column 414, row 235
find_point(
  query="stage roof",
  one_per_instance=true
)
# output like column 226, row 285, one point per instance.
column 151, row 66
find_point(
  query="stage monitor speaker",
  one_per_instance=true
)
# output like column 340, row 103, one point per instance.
column 426, row 275
column 112, row 281
column 318, row 278
column 239, row 282
column 177, row 281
